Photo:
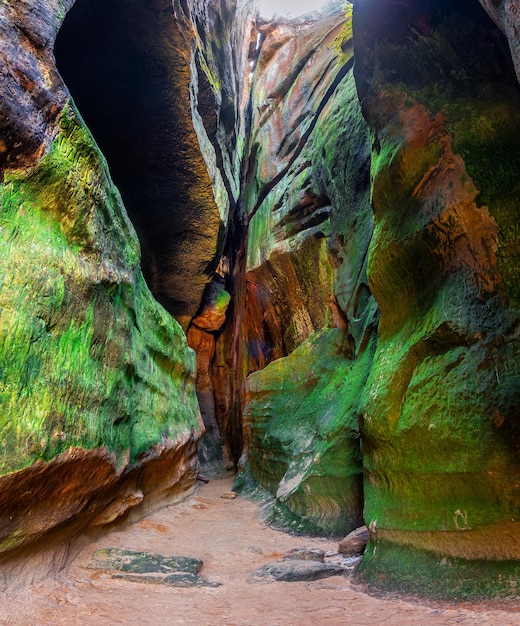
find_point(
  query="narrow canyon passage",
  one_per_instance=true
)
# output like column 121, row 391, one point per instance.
column 282, row 246
column 127, row 66
column 232, row 543
column 293, row 330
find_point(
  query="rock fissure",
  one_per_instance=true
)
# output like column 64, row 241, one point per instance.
column 296, row 151
column 336, row 239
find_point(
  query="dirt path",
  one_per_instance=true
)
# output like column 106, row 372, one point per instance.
column 232, row 542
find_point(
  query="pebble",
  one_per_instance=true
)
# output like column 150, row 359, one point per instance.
column 229, row 495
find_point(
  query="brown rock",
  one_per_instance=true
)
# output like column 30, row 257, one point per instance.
column 176, row 167
column 355, row 542
column 81, row 487
column 229, row 495
column 304, row 554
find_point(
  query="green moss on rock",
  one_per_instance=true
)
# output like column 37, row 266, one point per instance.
column 88, row 358
column 303, row 439
column 394, row 567
column 440, row 411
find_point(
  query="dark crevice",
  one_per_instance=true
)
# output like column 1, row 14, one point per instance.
column 125, row 66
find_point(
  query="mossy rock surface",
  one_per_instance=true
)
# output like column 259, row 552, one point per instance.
column 155, row 569
column 439, row 425
column 303, row 442
column 394, row 567
column 130, row 561
column 87, row 356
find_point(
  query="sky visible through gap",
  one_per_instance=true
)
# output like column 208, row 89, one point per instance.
column 294, row 8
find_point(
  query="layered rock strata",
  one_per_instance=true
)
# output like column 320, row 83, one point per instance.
column 440, row 425
column 98, row 407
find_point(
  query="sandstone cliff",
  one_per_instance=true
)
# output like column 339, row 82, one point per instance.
column 98, row 405
column 440, row 412
column 338, row 239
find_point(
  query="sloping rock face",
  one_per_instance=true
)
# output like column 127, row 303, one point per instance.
column 440, row 423
column 98, row 407
column 308, row 319
column 505, row 14
column 170, row 78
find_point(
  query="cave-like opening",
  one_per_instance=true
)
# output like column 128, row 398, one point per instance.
column 123, row 64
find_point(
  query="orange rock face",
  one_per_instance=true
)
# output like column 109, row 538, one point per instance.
column 82, row 489
column 436, row 462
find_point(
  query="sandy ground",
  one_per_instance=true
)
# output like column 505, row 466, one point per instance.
column 228, row 536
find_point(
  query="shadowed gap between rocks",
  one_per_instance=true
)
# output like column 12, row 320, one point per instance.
column 127, row 66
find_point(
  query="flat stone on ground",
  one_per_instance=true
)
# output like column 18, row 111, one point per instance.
column 144, row 567
column 129, row 561
column 304, row 554
column 294, row 571
column 179, row 579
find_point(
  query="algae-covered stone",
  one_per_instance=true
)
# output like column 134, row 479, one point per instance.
column 440, row 409
column 130, row 561
column 302, row 436
column 88, row 358
column 396, row 567
column 155, row 569
column 294, row 571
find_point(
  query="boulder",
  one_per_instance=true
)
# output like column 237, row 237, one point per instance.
column 355, row 542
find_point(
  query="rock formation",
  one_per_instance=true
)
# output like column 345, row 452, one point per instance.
column 96, row 380
column 338, row 238
column 440, row 412
column 307, row 315
column 170, row 124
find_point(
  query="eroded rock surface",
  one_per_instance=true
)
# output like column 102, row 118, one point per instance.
column 171, row 79
column 440, row 426
column 155, row 569
column 96, row 379
column 308, row 318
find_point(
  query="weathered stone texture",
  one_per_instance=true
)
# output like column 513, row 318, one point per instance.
column 96, row 379
column 308, row 318
column 506, row 15
column 440, row 423
column 171, row 82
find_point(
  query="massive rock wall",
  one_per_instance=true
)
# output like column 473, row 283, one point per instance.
column 305, row 324
column 98, row 407
column 400, row 317
column 440, row 425
column 220, row 88
column 173, row 79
